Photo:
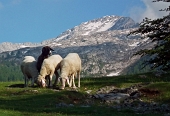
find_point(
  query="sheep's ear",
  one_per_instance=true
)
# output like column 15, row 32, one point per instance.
column 51, row 49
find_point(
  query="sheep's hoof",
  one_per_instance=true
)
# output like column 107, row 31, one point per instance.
column 54, row 85
column 62, row 88
column 50, row 87
column 74, row 87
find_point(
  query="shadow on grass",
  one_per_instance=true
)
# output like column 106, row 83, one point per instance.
column 16, row 86
column 43, row 102
column 20, row 86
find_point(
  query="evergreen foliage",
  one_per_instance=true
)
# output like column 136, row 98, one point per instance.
column 158, row 31
column 137, row 67
column 10, row 72
column 166, row 9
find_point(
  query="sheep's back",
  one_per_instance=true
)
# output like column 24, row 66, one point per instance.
column 28, row 66
column 28, row 59
column 52, row 62
column 70, row 64
column 74, row 60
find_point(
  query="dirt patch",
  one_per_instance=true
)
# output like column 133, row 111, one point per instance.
column 26, row 92
column 149, row 92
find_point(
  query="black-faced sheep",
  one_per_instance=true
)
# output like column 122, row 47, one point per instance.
column 29, row 70
column 49, row 67
column 46, row 52
column 70, row 67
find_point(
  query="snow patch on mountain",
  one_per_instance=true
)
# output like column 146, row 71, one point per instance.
column 61, row 37
column 134, row 44
column 113, row 74
column 99, row 25
column 24, row 46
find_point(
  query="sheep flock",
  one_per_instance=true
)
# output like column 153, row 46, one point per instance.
column 47, row 65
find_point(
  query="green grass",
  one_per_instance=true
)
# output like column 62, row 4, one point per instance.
column 18, row 101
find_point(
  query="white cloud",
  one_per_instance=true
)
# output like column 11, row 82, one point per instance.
column 1, row 5
column 7, row 4
column 15, row 2
column 151, row 10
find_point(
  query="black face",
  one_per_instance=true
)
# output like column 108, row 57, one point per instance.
column 46, row 51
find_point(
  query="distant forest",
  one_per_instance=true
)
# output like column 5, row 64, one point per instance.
column 10, row 71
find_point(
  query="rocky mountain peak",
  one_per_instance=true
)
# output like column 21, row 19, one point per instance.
column 95, row 27
column 102, row 44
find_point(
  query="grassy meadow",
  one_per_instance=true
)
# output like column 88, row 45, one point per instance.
column 15, row 100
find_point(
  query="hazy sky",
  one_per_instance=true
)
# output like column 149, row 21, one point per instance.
column 38, row 20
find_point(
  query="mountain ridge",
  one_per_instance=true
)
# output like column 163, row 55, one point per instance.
column 102, row 44
column 102, row 23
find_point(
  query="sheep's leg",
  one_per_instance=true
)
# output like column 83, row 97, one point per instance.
column 56, row 79
column 25, row 84
column 59, row 80
column 78, row 75
column 50, row 81
column 67, row 79
column 26, row 81
column 74, row 86
column 71, row 81
column 32, row 82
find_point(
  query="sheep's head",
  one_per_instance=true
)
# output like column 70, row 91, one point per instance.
column 41, row 81
column 63, row 81
column 46, row 51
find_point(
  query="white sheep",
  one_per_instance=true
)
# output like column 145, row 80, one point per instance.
column 29, row 70
column 49, row 67
column 70, row 67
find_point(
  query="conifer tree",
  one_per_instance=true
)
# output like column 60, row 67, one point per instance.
column 158, row 30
